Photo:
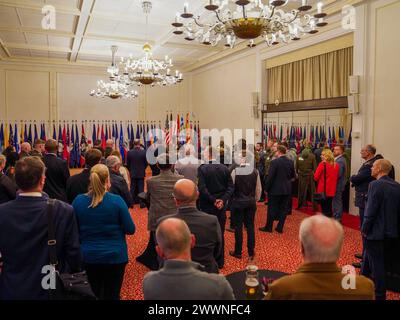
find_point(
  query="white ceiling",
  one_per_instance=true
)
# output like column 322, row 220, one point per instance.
column 85, row 30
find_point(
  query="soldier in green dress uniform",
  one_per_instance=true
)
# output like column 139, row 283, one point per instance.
column 306, row 166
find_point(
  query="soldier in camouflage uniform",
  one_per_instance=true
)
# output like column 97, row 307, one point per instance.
column 269, row 156
column 306, row 165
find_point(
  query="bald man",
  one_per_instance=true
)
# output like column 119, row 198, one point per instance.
column 319, row 278
column 380, row 227
column 180, row 278
column 25, row 150
column 203, row 226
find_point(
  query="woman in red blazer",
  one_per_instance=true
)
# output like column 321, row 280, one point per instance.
column 332, row 173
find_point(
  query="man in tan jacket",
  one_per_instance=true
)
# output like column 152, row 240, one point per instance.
column 319, row 278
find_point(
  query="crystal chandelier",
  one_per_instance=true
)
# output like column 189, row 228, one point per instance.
column 115, row 88
column 147, row 70
column 248, row 20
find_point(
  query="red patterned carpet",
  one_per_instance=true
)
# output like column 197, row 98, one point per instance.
column 274, row 251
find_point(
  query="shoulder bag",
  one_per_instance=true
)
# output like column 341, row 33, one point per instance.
column 68, row 286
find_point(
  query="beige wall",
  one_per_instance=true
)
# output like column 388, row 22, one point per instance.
column 45, row 92
column 386, row 131
column 221, row 95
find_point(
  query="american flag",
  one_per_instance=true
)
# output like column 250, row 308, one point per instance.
column 167, row 133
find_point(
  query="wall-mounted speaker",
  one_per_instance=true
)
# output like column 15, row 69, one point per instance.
column 353, row 102
column 353, row 84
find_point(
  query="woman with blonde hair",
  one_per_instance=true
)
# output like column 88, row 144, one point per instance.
column 103, row 220
column 326, row 177
column 124, row 172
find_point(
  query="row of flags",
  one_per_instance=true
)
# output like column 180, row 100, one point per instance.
column 310, row 133
column 9, row 134
column 181, row 129
column 74, row 139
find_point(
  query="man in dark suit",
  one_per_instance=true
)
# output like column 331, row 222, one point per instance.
column 118, row 183
column 8, row 189
column 260, row 165
column 278, row 186
column 57, row 172
column 79, row 183
column 25, row 150
column 203, row 226
column 23, row 236
column 154, row 149
column 381, row 223
column 137, row 164
column 318, row 151
column 110, row 146
column 337, row 203
column 216, row 188
column 361, row 181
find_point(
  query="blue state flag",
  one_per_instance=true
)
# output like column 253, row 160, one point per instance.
column 16, row 144
column 121, row 143
column 94, row 135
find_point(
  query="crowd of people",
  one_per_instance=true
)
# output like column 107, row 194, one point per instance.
column 187, row 201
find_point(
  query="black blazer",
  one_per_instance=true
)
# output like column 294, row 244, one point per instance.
column 78, row 184
column 23, row 245
column 215, row 182
column 137, row 163
column 8, row 189
column 206, row 229
column 120, row 187
column 57, row 174
column 280, row 176
column 382, row 213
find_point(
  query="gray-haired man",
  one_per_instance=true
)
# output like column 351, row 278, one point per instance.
column 118, row 183
column 180, row 278
column 319, row 278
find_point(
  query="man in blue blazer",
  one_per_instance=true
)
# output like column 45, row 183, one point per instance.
column 337, row 203
column 362, row 179
column 381, row 223
column 23, row 236
column 278, row 186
